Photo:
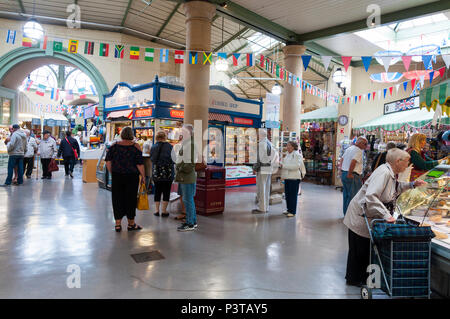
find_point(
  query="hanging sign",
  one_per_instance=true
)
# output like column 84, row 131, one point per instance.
column 177, row 114
column 402, row 105
column 143, row 113
column 272, row 110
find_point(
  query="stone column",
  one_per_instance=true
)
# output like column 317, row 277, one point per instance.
column 292, row 101
column 199, row 15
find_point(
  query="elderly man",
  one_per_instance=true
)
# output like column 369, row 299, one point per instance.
column 28, row 161
column 17, row 147
column 352, row 168
column 378, row 195
column 267, row 158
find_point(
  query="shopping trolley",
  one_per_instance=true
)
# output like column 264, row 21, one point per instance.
column 403, row 253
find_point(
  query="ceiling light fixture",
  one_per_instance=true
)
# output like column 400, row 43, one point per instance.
column 32, row 29
column 276, row 89
column 339, row 78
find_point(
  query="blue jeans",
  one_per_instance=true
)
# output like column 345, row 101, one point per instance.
column 291, row 191
column 188, row 193
column 13, row 161
column 351, row 187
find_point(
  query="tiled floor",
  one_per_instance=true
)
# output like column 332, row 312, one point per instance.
column 45, row 226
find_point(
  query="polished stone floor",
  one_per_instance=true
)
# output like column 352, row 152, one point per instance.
column 45, row 226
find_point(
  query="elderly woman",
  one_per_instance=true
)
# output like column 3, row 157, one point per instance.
column 416, row 145
column 379, row 194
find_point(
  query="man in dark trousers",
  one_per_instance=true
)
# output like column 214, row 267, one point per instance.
column 70, row 151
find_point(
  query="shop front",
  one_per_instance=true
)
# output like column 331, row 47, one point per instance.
column 318, row 141
column 160, row 106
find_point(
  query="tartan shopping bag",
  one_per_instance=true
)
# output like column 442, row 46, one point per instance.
column 382, row 231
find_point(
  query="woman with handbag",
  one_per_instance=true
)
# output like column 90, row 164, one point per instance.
column 47, row 152
column 162, row 171
column 125, row 163
column 69, row 150
column 292, row 172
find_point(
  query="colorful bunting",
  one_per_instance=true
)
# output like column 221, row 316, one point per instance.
column 405, row 85
column 346, row 60
column 306, row 59
column 366, row 61
column 261, row 61
column 11, row 36
column 250, row 59
column 222, row 55
column 426, row 59
column 390, row 90
column 57, row 45
column 40, row 89
column 406, row 61
column 179, row 57
column 386, row 62
column 413, row 83
column 446, row 58
column 134, row 53
column 442, row 72
column 73, row 46
column 236, row 58
column 193, row 57
column 164, row 55
column 431, row 76
column 326, row 59
column 27, row 42
column 149, row 54
column 384, row 92
column 119, row 51
column 104, row 49
column 207, row 57
column 89, row 47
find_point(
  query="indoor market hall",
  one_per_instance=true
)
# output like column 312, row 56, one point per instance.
column 192, row 152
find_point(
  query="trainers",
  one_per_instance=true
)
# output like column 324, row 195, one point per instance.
column 185, row 227
column 195, row 226
column 285, row 212
column 257, row 211
column 290, row 215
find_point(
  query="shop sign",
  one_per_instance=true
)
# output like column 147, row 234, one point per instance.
column 401, row 105
column 177, row 114
column 89, row 112
column 125, row 97
column 143, row 113
column 50, row 122
column 238, row 120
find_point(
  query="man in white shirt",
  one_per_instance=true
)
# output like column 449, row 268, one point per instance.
column 352, row 168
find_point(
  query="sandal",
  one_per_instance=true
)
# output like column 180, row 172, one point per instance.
column 118, row 228
column 134, row 227
column 156, row 214
column 165, row 214
column 180, row 217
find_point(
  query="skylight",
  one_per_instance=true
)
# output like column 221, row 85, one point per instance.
column 410, row 34
column 260, row 42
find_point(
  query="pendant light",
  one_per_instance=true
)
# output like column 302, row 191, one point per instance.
column 32, row 29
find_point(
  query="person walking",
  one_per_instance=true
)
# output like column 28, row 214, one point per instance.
column 186, row 177
column 263, row 168
column 47, row 152
column 162, row 171
column 292, row 172
column 16, row 147
column 125, row 163
column 70, row 151
column 352, row 168
column 32, row 149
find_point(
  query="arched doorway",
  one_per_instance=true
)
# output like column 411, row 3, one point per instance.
column 15, row 64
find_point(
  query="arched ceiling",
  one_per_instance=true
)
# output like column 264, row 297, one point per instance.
column 14, row 78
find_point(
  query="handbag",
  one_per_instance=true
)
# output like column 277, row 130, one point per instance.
column 161, row 172
column 142, row 198
column 74, row 150
column 52, row 166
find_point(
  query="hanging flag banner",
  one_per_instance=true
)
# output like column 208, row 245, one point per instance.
column 207, row 57
column 164, row 55
column 250, row 59
column 40, row 89
column 346, row 60
column 446, row 58
column 406, row 61
column 11, row 36
column 386, row 62
column 366, row 61
column 179, row 56
column 384, row 93
column 119, row 51
column 57, row 45
column 73, row 46
column 27, row 42
column 104, row 49
column 306, row 59
column 193, row 57
column 236, row 58
column 442, row 72
column 222, row 55
column 413, row 83
column 326, row 59
column 81, row 93
column 405, row 85
column 261, row 61
column 134, row 53
column 89, row 48
column 29, row 83
column 426, row 59
column 149, row 54
column 431, row 76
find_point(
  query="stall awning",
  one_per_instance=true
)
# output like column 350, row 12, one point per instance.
column 438, row 94
column 394, row 121
column 54, row 116
column 117, row 114
column 219, row 117
column 324, row 114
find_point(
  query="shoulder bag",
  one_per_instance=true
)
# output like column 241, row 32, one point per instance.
column 161, row 172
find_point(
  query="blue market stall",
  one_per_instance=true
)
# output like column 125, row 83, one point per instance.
column 150, row 107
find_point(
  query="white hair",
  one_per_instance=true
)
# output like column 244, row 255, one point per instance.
column 395, row 154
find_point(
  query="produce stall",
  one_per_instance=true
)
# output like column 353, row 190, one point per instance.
column 430, row 206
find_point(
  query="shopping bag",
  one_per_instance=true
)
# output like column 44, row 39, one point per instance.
column 52, row 166
column 142, row 202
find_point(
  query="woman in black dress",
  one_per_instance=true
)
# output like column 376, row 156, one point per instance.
column 125, row 163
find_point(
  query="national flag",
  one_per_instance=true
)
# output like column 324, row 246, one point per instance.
column 69, row 95
column 405, row 85
column 54, row 94
column 277, row 72
column 261, row 61
column 79, row 110
column 222, row 56
column 69, row 110
column 11, row 36
column 236, row 58
column 149, row 54
column 179, row 57
column 134, row 53
column 250, row 58
column 192, row 57
column 73, row 46
column 81, row 93
column 207, row 57
column 27, row 42
column 28, row 86
column 59, row 108
column 89, row 47
column 57, row 45
column 41, row 89
column 290, row 78
column 286, row 74
column 164, row 55
column 281, row 73
column 43, row 43
column 49, row 108
column 104, row 49
column 93, row 90
column 119, row 50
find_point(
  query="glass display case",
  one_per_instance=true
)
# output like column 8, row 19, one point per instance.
column 239, row 142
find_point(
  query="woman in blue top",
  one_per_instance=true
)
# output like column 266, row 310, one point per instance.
column 162, row 171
